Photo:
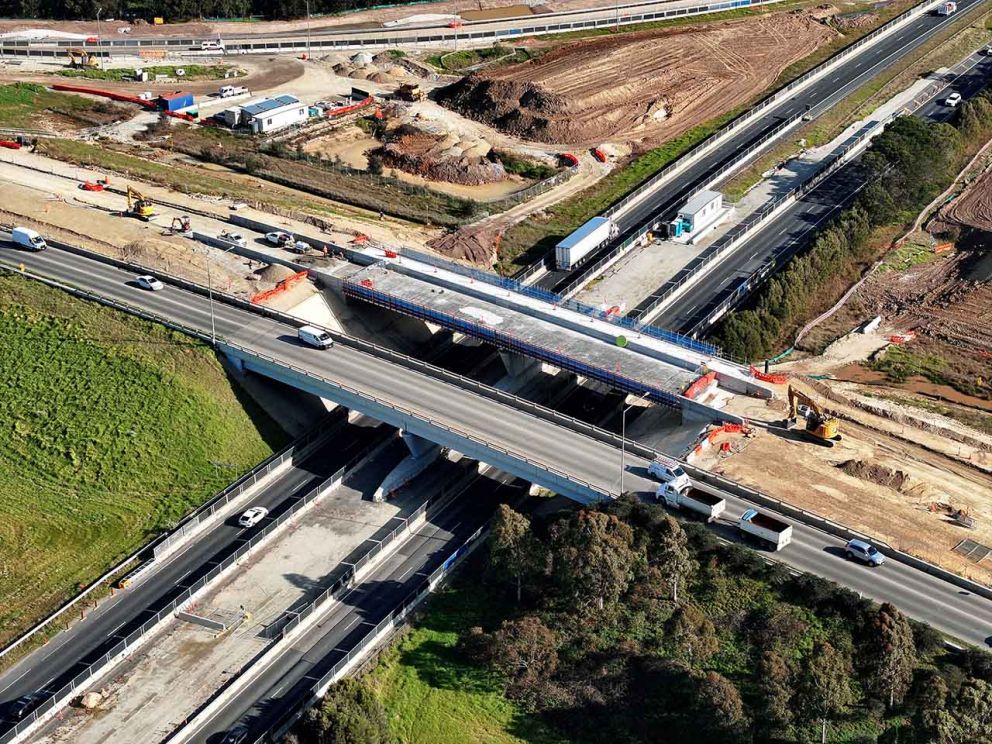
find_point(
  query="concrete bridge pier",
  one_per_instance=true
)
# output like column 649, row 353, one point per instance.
column 519, row 366
column 423, row 452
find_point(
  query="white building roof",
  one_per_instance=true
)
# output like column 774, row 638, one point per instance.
column 700, row 200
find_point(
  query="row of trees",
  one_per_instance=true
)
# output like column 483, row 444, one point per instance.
column 176, row 10
column 907, row 166
column 619, row 624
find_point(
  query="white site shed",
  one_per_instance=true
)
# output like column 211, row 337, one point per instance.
column 701, row 211
column 272, row 114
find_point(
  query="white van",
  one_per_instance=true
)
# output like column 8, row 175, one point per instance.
column 670, row 472
column 211, row 45
column 317, row 337
column 28, row 238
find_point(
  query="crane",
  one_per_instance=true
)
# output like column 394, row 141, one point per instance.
column 138, row 206
column 820, row 427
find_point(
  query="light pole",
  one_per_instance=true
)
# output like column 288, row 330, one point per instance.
column 308, row 29
column 623, row 437
column 99, row 34
column 210, row 296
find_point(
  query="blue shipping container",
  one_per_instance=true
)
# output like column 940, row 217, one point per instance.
column 175, row 101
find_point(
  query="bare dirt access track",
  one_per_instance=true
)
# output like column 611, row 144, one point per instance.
column 655, row 84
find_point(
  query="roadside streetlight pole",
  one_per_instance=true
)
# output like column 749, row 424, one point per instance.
column 623, row 437
column 99, row 34
column 308, row 29
column 210, row 297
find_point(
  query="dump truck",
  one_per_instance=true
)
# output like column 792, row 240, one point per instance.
column 583, row 241
column 692, row 498
column 410, row 92
column 774, row 532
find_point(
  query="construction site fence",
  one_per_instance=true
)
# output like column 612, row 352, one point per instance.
column 77, row 685
column 372, row 637
column 518, row 197
column 717, row 250
column 544, row 295
column 509, row 343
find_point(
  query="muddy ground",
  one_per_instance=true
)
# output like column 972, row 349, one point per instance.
column 649, row 85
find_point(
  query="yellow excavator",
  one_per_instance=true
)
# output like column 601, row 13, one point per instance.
column 138, row 206
column 820, row 427
column 80, row 59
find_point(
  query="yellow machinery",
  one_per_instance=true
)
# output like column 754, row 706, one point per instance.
column 138, row 206
column 819, row 426
column 81, row 59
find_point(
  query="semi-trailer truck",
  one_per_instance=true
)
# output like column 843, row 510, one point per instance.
column 692, row 498
column 583, row 241
column 773, row 531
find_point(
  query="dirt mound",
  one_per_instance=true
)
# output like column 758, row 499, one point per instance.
column 275, row 273
column 439, row 157
column 856, row 20
column 974, row 207
column 874, row 473
column 654, row 83
column 476, row 245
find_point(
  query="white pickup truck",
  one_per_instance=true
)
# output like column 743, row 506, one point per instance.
column 767, row 529
column 692, row 498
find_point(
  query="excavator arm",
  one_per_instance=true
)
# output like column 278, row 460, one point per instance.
column 820, row 426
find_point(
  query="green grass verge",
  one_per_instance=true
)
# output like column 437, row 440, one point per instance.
column 193, row 72
column 458, row 61
column 111, row 429
column 433, row 697
column 527, row 241
column 21, row 103
column 899, row 364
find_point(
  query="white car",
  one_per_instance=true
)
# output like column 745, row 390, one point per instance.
column 149, row 282
column 232, row 237
column 299, row 247
column 279, row 238
column 953, row 100
column 253, row 516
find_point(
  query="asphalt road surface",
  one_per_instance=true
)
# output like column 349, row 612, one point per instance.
column 791, row 230
column 819, row 96
column 927, row 598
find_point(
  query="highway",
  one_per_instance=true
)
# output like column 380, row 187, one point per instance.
column 920, row 595
column 282, row 687
column 692, row 313
column 819, row 96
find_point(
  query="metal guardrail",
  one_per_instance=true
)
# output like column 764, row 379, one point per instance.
column 371, row 637
column 530, row 26
column 335, row 592
column 77, row 683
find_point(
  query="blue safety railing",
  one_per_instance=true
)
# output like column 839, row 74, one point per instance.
column 544, row 295
column 510, row 343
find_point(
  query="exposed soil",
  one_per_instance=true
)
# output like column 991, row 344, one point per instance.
column 439, row 157
column 875, row 473
column 653, row 84
column 974, row 207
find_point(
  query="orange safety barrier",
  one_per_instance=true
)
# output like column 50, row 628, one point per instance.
column 768, row 377
column 113, row 95
column 599, row 154
column 279, row 288
column 902, row 338
column 943, row 247
column 360, row 238
column 699, row 385
column 10, row 145
column 348, row 109
column 391, row 254
column 570, row 159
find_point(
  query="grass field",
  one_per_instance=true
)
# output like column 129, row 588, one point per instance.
column 111, row 429
column 191, row 72
column 432, row 697
column 22, row 103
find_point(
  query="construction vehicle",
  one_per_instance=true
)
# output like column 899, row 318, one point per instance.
column 138, row 206
column 410, row 92
column 181, row 225
column 80, row 59
column 820, row 427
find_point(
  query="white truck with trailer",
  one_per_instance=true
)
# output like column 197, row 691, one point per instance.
column 583, row 241
column 692, row 498
column 773, row 531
